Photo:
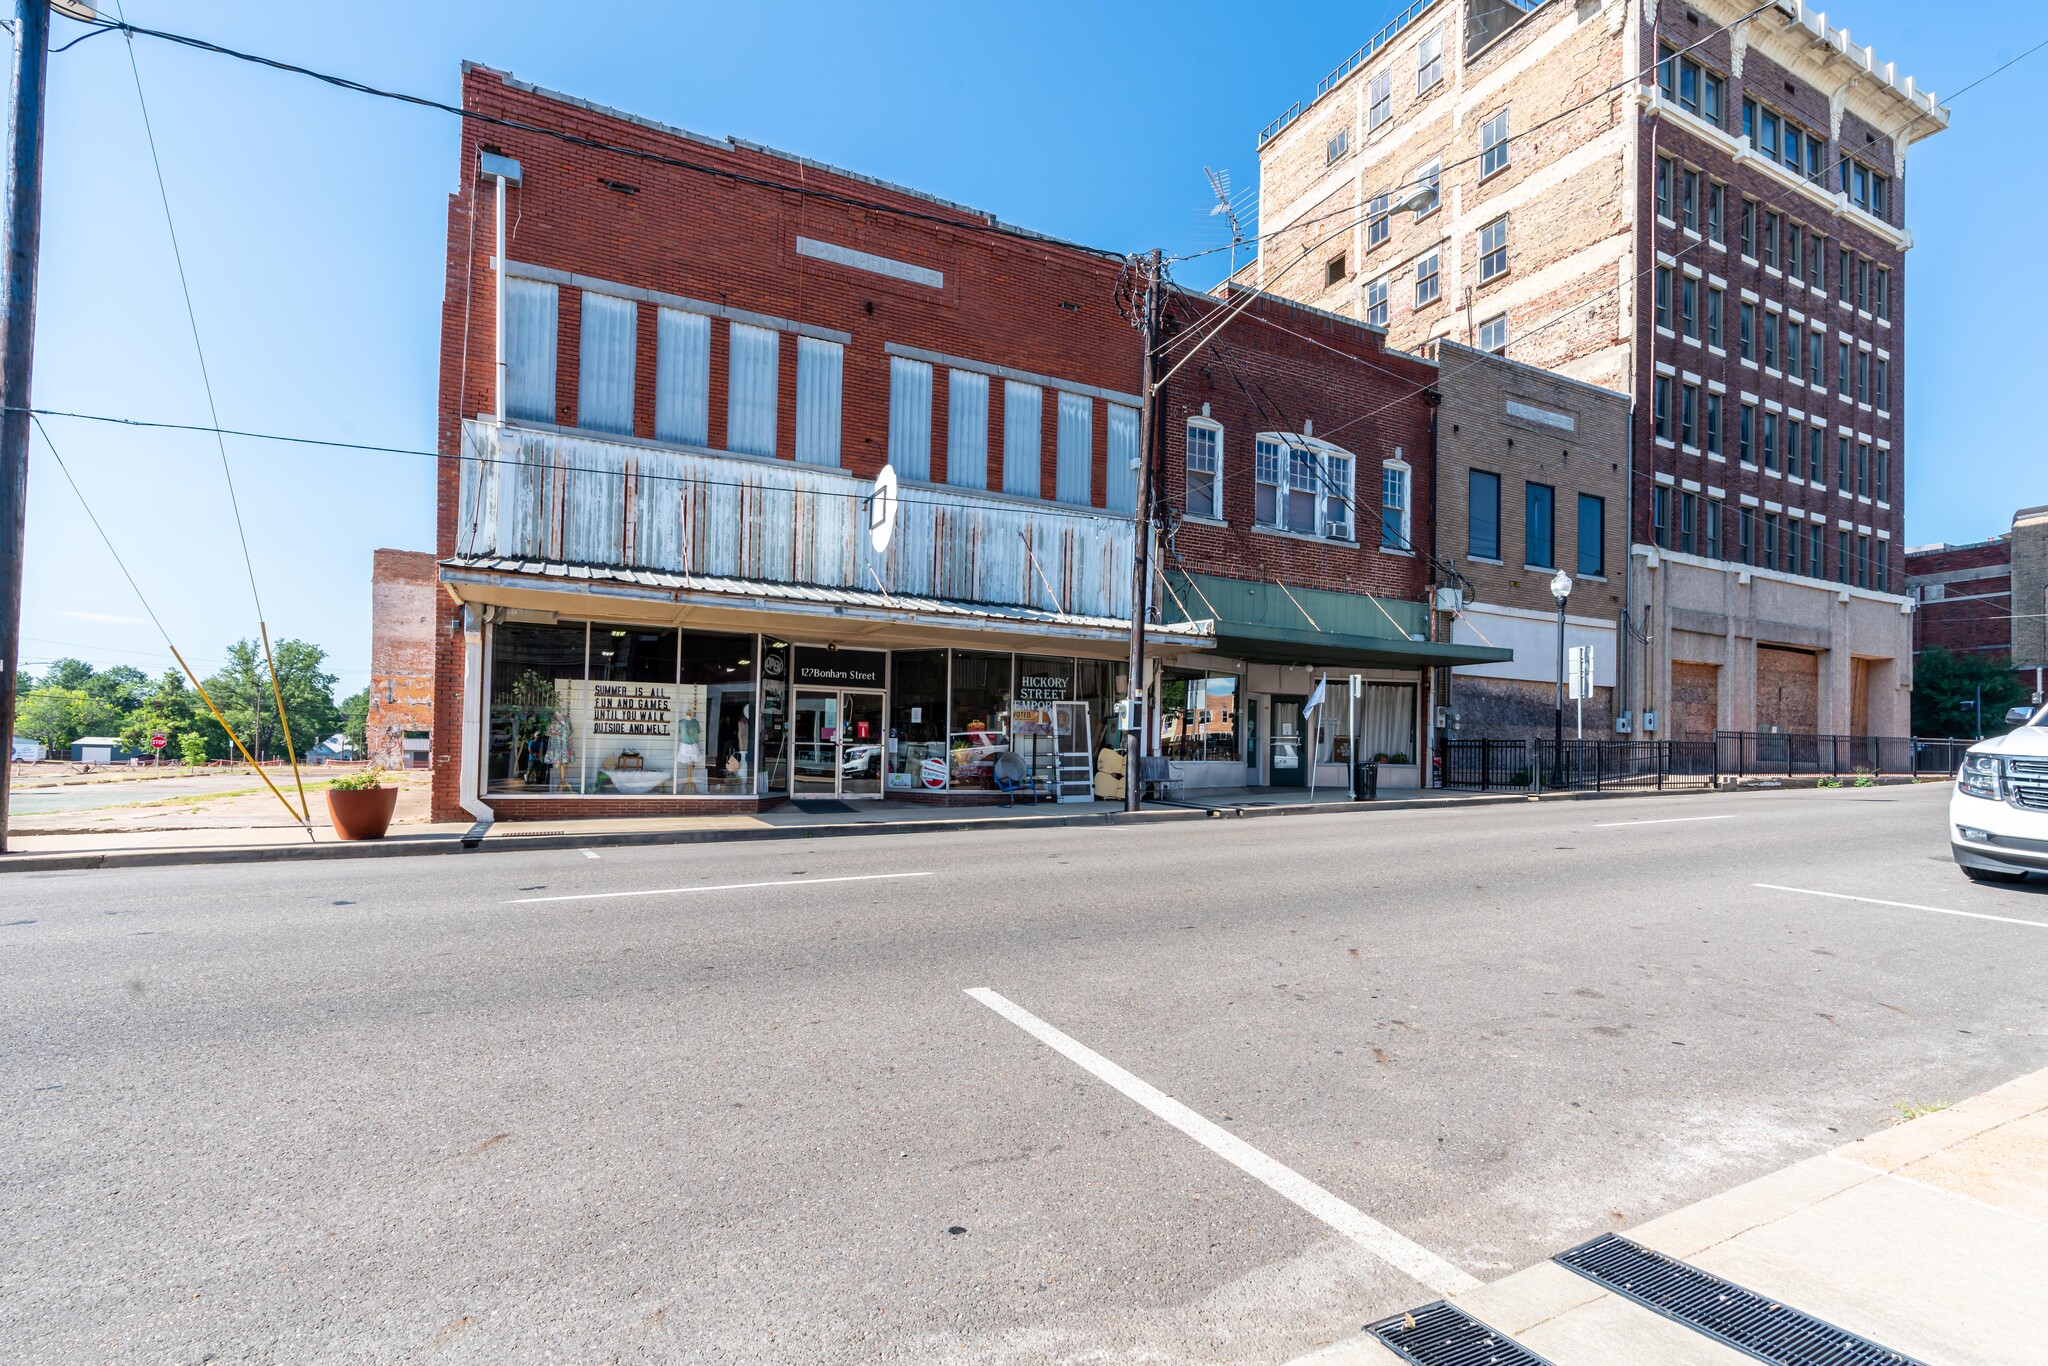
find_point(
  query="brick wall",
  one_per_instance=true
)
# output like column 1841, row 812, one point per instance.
column 403, row 592
column 1009, row 298
column 1281, row 367
column 1966, row 597
column 2030, row 588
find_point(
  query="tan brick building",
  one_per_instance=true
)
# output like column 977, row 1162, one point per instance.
column 1721, row 238
column 1532, row 478
column 400, row 730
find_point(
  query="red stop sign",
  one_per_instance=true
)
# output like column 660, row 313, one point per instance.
column 158, row 740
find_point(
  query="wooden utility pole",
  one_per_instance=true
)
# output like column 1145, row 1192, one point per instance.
column 1141, row 530
column 17, row 347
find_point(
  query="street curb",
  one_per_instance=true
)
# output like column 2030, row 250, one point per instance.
column 403, row 846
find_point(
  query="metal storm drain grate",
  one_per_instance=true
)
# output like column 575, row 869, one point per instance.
column 1745, row 1320
column 1443, row 1335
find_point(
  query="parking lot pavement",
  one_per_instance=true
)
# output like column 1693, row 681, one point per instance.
column 737, row 1104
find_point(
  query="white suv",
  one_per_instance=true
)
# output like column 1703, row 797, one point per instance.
column 1998, row 817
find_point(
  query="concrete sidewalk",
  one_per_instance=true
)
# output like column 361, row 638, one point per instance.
column 31, row 852
column 1930, row 1238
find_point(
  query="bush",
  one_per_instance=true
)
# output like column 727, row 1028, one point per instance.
column 192, row 750
column 1828, row 782
column 373, row 776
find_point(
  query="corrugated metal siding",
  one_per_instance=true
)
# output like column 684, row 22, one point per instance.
column 530, row 327
column 543, row 496
column 604, row 385
column 750, row 402
column 910, row 417
column 1072, row 472
column 1122, row 494
column 682, row 378
column 1023, row 434
column 820, row 378
column 967, row 429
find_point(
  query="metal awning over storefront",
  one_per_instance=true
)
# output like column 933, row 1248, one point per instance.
column 1276, row 624
column 796, row 610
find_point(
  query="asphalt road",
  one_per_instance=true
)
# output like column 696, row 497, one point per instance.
column 395, row 1110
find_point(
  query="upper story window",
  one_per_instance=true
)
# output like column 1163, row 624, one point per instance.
column 1333, row 271
column 820, row 380
column 1667, row 171
column 1482, row 515
column 1303, row 485
column 1074, row 449
column 1692, row 87
column 1493, row 250
column 1376, row 302
column 1376, row 225
column 756, row 355
column 1493, row 334
column 1205, row 468
column 682, row 377
column 1867, row 189
column 1337, row 146
column 604, row 373
column 1023, row 437
column 1717, row 193
column 1426, row 281
column 531, row 324
column 1394, row 482
column 966, row 426
column 1493, row 145
column 1539, row 507
column 1784, row 140
column 1429, row 60
column 1430, row 176
column 1881, row 291
column 1379, row 100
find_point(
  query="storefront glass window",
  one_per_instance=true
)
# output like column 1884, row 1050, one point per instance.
column 1095, row 684
column 1386, row 723
column 1198, row 716
column 980, row 717
column 536, row 732
column 630, row 702
column 715, row 715
column 773, row 766
column 917, row 721
column 1041, row 682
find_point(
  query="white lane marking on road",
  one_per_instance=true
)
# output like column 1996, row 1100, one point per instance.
column 1665, row 820
column 1390, row 1247
column 590, row 853
column 721, row 887
column 1903, row 905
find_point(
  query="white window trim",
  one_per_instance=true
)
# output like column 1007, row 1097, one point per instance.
column 1209, row 424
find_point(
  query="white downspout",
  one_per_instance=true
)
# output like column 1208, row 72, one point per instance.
column 469, row 795
column 498, row 310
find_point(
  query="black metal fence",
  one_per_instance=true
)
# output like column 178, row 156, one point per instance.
column 1576, row 765
column 1767, row 754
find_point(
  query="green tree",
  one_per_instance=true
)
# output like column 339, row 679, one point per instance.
column 355, row 721
column 1945, row 692
column 163, row 704
column 242, row 692
column 192, row 748
column 121, row 687
column 57, row 716
column 67, row 673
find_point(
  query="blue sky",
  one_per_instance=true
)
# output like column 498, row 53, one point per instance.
column 313, row 224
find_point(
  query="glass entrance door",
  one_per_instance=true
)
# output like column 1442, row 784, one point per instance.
column 836, row 744
column 1289, row 767
column 814, row 747
column 861, row 747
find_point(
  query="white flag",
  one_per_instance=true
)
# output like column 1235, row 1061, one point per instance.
column 1315, row 699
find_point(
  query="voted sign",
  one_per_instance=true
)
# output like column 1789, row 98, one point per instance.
column 159, row 740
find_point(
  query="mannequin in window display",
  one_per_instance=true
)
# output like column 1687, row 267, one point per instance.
column 690, row 743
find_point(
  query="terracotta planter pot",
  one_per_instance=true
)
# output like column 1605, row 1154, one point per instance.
column 364, row 814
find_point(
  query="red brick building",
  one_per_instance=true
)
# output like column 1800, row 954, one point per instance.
column 1987, row 598
column 672, row 369
column 403, row 594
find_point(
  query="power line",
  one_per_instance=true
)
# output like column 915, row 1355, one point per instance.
column 1050, row 509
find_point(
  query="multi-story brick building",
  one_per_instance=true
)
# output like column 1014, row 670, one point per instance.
column 1701, row 210
column 675, row 370
column 400, row 725
column 1987, row 598
column 1532, row 479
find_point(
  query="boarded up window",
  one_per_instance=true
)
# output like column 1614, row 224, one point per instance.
column 750, row 402
column 820, row 377
column 967, row 429
column 910, row 418
column 1023, row 427
column 682, row 378
column 1072, row 475
column 530, row 325
column 604, row 375
column 1123, row 459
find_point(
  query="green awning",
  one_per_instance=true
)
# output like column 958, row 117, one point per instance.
column 1274, row 625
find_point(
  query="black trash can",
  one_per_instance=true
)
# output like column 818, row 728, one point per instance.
column 1365, row 780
